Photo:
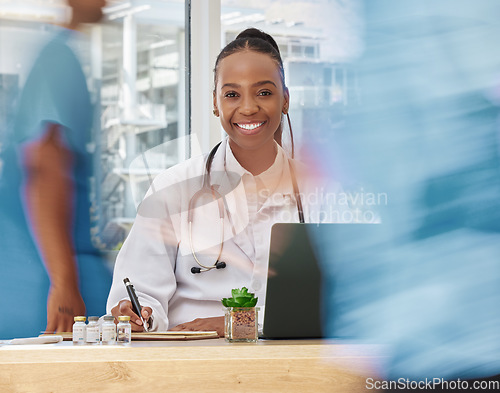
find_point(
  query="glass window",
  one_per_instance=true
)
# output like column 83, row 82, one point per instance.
column 315, row 37
column 134, row 65
column 139, row 114
column 297, row 50
column 309, row 51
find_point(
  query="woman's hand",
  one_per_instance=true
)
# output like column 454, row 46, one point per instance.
column 124, row 307
column 62, row 305
column 203, row 324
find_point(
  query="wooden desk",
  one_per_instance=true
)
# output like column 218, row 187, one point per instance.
column 189, row 366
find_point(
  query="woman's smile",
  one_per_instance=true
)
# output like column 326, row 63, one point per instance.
column 249, row 99
column 250, row 128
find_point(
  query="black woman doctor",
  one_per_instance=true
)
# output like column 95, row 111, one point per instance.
column 204, row 226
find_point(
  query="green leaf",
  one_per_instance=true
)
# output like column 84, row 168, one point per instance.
column 239, row 292
column 252, row 302
column 240, row 298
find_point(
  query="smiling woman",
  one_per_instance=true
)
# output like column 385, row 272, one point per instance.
column 250, row 96
column 249, row 99
column 247, row 182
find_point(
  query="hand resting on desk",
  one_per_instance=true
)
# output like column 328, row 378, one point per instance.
column 124, row 307
column 203, row 324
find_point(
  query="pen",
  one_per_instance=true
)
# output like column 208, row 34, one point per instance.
column 135, row 302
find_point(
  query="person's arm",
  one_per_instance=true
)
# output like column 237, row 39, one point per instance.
column 148, row 257
column 49, row 196
column 203, row 324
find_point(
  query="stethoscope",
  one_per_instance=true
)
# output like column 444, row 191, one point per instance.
column 206, row 188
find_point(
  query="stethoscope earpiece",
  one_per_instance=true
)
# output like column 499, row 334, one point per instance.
column 218, row 265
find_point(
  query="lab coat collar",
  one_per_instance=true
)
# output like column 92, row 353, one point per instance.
column 277, row 178
column 268, row 177
column 231, row 163
column 218, row 168
column 283, row 192
column 227, row 174
column 273, row 175
column 225, row 161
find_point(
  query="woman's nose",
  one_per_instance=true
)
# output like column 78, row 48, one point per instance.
column 248, row 106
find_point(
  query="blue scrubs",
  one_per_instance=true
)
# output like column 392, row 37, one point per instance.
column 55, row 92
column 427, row 135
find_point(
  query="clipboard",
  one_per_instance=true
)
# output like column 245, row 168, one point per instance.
column 154, row 336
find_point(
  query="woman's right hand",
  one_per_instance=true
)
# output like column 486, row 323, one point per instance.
column 124, row 307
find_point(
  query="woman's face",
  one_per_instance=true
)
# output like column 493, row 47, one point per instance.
column 88, row 11
column 249, row 98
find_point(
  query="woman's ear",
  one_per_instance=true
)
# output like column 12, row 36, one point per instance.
column 216, row 110
column 286, row 102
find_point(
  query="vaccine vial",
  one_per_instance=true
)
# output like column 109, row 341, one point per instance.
column 79, row 330
column 93, row 335
column 123, row 330
column 108, row 330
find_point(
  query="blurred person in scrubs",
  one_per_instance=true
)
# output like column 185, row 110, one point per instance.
column 49, row 268
column 427, row 133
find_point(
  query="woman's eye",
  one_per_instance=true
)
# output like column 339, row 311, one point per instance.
column 230, row 94
column 265, row 93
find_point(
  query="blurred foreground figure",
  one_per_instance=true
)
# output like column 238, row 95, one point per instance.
column 426, row 134
column 49, row 268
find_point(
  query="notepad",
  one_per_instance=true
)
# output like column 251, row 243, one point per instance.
column 156, row 336
column 182, row 335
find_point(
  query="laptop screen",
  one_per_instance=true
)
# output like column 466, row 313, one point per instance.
column 304, row 292
column 293, row 307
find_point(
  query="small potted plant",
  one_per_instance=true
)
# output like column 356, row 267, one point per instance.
column 241, row 316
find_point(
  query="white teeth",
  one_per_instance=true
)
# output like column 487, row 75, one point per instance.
column 251, row 126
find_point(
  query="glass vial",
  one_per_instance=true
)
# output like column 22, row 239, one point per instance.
column 124, row 330
column 108, row 329
column 79, row 330
column 93, row 336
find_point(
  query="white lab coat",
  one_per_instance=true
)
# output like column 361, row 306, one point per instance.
column 157, row 256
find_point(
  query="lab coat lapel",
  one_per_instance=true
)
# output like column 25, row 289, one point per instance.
column 229, row 184
column 283, row 195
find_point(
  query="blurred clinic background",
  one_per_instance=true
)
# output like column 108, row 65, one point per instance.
column 426, row 132
column 394, row 97
column 149, row 70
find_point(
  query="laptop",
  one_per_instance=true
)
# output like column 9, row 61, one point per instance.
column 299, row 283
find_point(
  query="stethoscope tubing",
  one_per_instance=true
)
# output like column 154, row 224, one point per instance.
column 206, row 187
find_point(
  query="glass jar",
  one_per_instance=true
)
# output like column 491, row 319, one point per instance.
column 124, row 330
column 108, row 330
column 79, row 326
column 241, row 324
column 93, row 334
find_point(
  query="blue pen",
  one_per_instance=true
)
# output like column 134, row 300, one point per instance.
column 135, row 301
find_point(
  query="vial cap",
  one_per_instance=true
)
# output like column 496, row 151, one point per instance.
column 79, row 319
column 93, row 319
column 124, row 318
column 109, row 318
